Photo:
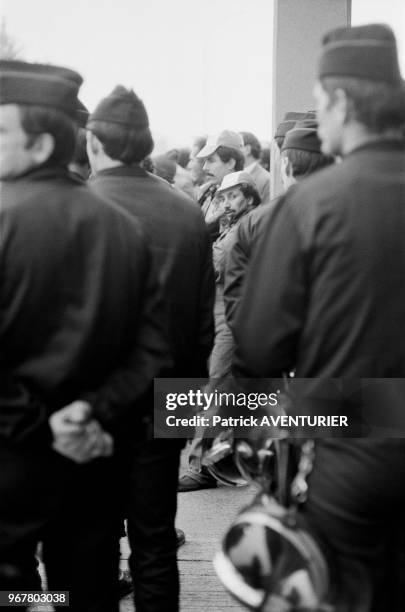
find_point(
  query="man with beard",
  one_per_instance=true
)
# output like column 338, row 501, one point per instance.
column 222, row 154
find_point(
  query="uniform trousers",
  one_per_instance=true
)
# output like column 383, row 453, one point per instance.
column 74, row 510
column 356, row 504
column 151, row 512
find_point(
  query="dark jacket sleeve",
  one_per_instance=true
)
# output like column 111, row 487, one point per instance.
column 265, row 195
column 206, row 330
column 128, row 389
column 249, row 231
column 273, row 307
column 213, row 229
column 23, row 419
column 235, row 269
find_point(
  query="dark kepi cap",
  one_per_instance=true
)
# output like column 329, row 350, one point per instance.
column 288, row 122
column 293, row 116
column 39, row 85
column 362, row 52
column 122, row 106
column 303, row 137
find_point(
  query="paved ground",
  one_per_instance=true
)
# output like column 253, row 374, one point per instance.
column 204, row 516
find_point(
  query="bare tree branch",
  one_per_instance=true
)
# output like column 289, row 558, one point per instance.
column 9, row 48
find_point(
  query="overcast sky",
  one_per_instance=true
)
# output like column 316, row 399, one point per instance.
column 199, row 66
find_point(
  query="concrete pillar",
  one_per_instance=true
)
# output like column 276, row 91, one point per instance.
column 298, row 29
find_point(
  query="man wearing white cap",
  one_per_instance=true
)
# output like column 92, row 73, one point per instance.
column 222, row 154
column 237, row 195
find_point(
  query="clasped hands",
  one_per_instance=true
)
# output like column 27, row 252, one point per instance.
column 77, row 435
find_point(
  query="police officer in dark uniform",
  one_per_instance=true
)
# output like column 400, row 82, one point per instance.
column 78, row 306
column 119, row 138
column 325, row 296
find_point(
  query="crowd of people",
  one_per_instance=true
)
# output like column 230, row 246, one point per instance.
column 118, row 267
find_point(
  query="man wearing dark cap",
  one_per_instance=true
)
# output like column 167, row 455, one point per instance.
column 288, row 122
column 79, row 307
column 301, row 153
column 119, row 138
column 333, row 304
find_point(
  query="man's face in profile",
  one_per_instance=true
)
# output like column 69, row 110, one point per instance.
column 330, row 121
column 16, row 156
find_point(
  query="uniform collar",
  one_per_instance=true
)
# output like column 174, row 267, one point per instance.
column 41, row 173
column 123, row 170
column 384, row 144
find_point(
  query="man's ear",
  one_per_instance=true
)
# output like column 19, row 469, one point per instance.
column 94, row 146
column 286, row 172
column 42, row 148
column 286, row 165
